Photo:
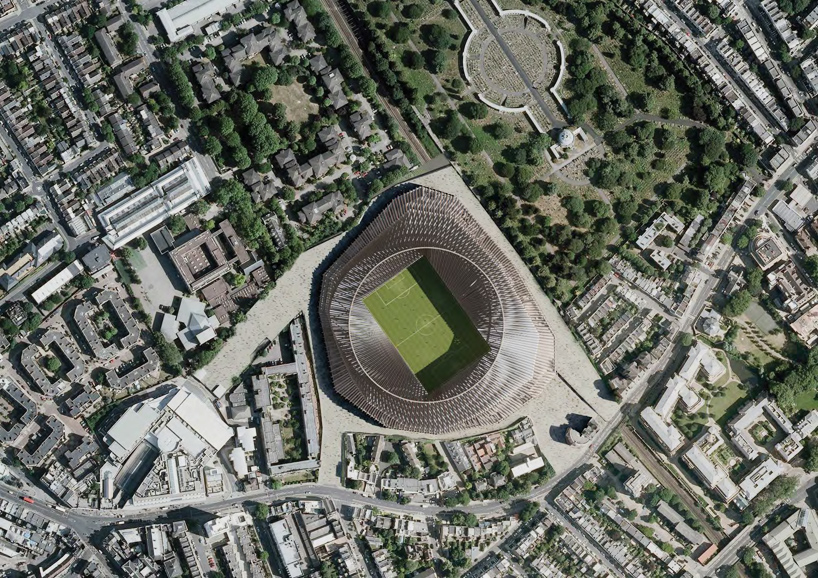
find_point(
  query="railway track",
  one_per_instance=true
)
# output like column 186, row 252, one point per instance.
column 344, row 18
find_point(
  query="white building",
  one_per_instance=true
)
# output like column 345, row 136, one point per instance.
column 712, row 474
column 57, row 282
column 191, row 326
column 702, row 357
column 760, row 478
column 748, row 415
column 181, row 20
column 177, row 434
column 287, row 544
column 149, row 207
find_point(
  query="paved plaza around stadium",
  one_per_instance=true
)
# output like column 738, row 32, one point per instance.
column 426, row 324
column 577, row 391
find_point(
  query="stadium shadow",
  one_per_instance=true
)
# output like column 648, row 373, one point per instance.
column 470, row 344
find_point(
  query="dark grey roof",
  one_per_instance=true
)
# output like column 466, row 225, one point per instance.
column 314, row 212
column 97, row 258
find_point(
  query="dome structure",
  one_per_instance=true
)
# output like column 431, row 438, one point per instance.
column 566, row 138
column 499, row 352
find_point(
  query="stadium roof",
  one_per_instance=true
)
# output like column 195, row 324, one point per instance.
column 369, row 371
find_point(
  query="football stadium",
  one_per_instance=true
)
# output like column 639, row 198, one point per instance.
column 428, row 326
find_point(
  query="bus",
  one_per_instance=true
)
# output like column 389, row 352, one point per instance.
column 28, row 499
column 59, row 508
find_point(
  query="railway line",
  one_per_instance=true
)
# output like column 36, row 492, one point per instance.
column 344, row 18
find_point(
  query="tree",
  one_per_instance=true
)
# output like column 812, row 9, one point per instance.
column 436, row 36
column 237, row 279
column 436, row 61
column 399, row 32
column 180, row 82
column 500, row 130
column 128, row 39
column 412, row 59
column 84, row 281
column 168, row 352
column 811, row 267
column 711, row 142
column 264, row 77
column 747, row 155
column 177, row 225
column 390, row 457
column 474, row 110
column 328, row 570
column 262, row 511
column 738, row 303
column 413, row 11
column 811, row 458
column 529, row 511
column 378, row 9
column 687, row 339
column 52, row 364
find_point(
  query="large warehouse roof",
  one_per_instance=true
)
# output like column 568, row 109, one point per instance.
column 180, row 20
column 141, row 211
column 201, row 417
column 184, row 416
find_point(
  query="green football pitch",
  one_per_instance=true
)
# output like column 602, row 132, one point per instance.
column 426, row 324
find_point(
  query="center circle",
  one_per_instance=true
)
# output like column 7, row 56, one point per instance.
column 373, row 353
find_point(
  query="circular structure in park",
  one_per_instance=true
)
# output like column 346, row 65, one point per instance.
column 427, row 323
column 565, row 138
column 513, row 61
column 536, row 57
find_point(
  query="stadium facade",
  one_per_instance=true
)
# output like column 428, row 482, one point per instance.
column 369, row 371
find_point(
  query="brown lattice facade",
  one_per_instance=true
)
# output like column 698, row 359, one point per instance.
column 369, row 371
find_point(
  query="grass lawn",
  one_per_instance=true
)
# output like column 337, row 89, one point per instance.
column 426, row 324
column 807, row 401
column 725, row 407
column 298, row 103
column 690, row 424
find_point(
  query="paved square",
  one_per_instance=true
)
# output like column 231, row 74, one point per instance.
column 426, row 324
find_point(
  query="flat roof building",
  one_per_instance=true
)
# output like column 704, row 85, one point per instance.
column 180, row 20
column 760, row 478
column 150, row 206
column 767, row 251
column 711, row 473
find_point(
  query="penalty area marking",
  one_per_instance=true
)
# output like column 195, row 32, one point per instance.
column 402, row 295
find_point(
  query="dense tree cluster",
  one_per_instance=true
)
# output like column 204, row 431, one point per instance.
column 168, row 353
column 127, row 39
column 180, row 83
column 788, row 380
column 738, row 303
column 592, row 94
column 241, row 211
column 780, row 489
